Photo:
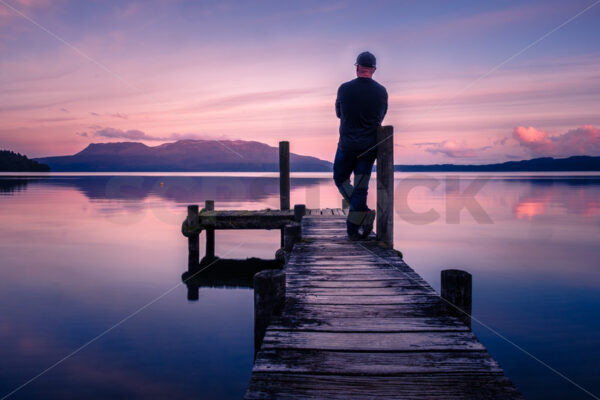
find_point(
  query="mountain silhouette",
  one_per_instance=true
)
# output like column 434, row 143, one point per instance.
column 574, row 163
column 183, row 155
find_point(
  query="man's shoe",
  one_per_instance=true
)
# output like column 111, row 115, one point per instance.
column 367, row 224
column 353, row 237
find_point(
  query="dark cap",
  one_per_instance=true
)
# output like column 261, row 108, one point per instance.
column 366, row 59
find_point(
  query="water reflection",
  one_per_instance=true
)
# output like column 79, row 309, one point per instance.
column 549, row 196
column 78, row 254
column 225, row 273
column 11, row 185
column 176, row 189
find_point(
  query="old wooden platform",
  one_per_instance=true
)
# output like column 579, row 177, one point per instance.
column 359, row 323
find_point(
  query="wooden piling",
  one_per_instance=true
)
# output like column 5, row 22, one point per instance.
column 193, row 239
column 284, row 175
column 385, row 185
column 209, row 205
column 457, row 289
column 299, row 212
column 269, row 299
column 292, row 234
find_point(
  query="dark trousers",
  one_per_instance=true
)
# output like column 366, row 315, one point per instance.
column 348, row 162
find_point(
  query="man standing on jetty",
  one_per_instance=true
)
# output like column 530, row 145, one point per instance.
column 361, row 105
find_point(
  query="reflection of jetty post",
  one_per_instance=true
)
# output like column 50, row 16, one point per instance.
column 385, row 185
column 457, row 289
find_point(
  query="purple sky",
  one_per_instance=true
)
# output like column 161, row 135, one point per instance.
column 464, row 86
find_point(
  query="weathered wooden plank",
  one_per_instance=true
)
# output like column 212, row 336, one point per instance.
column 315, row 284
column 341, row 258
column 352, row 269
column 375, row 324
column 344, row 258
column 367, row 341
column 380, row 364
column 228, row 219
column 324, row 311
column 366, row 300
column 452, row 386
column 348, row 275
column 326, row 265
column 336, row 273
column 299, row 282
column 327, row 223
column 299, row 290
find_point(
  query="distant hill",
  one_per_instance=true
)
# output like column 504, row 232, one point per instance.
column 183, row 155
column 575, row 163
column 15, row 162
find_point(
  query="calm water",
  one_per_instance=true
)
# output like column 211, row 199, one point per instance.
column 78, row 254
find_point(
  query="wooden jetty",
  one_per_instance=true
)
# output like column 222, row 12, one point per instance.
column 359, row 323
column 350, row 319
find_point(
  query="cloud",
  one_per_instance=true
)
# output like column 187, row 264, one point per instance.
column 135, row 134
column 452, row 149
column 579, row 141
column 132, row 134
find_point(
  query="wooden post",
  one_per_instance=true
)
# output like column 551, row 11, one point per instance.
column 299, row 212
column 284, row 175
column 209, row 205
column 385, row 185
column 457, row 289
column 193, row 239
column 269, row 299
column 292, row 234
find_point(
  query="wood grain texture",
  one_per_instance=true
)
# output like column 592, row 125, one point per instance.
column 359, row 323
column 380, row 364
column 452, row 386
column 371, row 341
column 376, row 324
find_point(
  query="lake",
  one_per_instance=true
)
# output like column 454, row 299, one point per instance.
column 92, row 304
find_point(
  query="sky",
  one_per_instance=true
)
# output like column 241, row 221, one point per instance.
column 469, row 82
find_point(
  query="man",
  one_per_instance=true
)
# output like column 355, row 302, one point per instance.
column 361, row 105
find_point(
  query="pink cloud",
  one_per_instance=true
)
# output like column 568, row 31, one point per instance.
column 580, row 141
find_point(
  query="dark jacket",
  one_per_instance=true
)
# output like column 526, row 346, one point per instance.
column 361, row 105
